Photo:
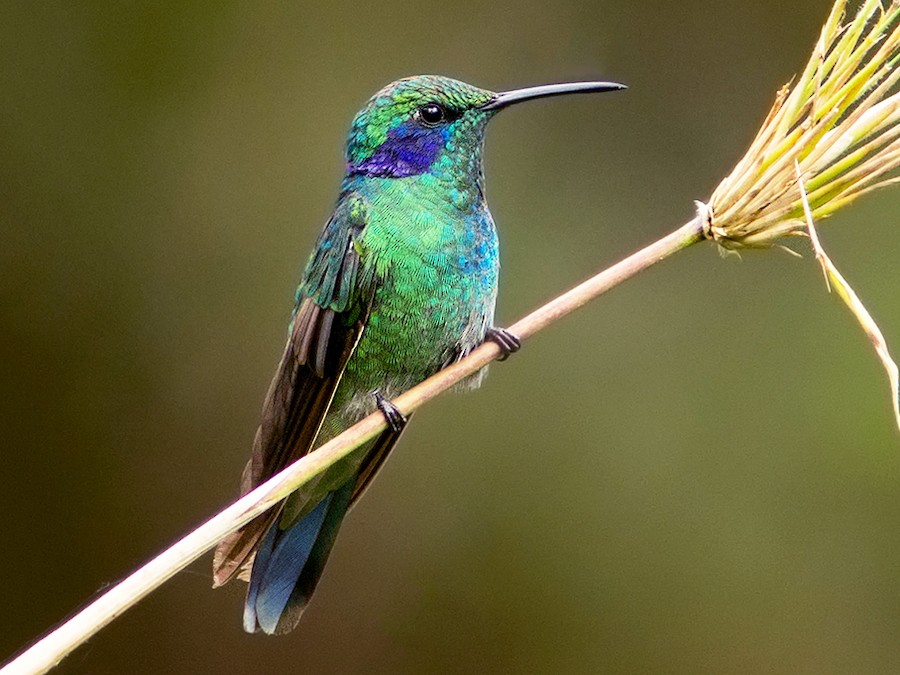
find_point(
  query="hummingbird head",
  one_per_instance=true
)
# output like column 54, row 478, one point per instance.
column 410, row 125
column 432, row 124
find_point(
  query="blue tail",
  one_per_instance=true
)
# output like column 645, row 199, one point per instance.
column 288, row 565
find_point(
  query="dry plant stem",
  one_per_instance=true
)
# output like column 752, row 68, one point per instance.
column 834, row 279
column 49, row 651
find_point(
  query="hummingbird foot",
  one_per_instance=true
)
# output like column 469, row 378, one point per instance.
column 396, row 420
column 509, row 343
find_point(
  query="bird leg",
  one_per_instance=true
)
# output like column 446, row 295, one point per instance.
column 509, row 343
column 396, row 420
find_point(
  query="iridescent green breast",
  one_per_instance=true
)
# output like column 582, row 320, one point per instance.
column 436, row 264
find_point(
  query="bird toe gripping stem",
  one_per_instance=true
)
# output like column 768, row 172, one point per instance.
column 509, row 343
column 396, row 420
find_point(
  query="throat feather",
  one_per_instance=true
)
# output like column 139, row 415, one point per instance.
column 407, row 151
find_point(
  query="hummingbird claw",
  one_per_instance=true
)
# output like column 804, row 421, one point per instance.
column 509, row 343
column 396, row 420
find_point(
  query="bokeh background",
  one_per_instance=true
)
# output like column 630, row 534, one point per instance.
column 697, row 473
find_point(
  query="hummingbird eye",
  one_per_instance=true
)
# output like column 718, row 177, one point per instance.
column 431, row 114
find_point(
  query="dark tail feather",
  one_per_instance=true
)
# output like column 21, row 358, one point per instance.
column 288, row 565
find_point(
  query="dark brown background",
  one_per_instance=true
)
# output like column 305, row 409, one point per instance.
column 698, row 473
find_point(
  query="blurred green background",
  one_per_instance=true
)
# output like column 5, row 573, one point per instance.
column 698, row 473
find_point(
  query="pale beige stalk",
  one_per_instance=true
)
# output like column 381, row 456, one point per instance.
column 50, row 650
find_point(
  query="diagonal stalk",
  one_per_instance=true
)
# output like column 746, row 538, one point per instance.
column 60, row 642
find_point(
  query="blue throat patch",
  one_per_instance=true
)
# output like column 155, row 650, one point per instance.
column 409, row 150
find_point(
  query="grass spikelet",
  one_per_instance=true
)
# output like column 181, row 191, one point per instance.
column 830, row 137
column 840, row 121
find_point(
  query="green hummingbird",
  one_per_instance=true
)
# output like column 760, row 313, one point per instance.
column 402, row 282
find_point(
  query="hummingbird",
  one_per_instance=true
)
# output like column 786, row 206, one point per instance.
column 401, row 283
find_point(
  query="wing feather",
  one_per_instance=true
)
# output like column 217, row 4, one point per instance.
column 333, row 303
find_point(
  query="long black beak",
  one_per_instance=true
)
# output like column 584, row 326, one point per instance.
column 508, row 98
